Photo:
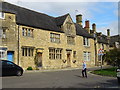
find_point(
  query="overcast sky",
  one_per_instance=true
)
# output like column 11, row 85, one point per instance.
column 103, row 13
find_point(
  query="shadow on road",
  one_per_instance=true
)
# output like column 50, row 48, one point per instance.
column 78, row 76
column 111, row 83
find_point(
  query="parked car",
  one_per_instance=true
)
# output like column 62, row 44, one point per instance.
column 10, row 68
column 118, row 74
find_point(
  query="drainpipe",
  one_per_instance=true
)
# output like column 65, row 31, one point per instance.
column 95, row 48
column 18, row 44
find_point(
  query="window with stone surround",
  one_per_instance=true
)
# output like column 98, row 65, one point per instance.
column 2, row 54
column 86, row 41
column 2, row 33
column 55, row 53
column 27, row 51
column 55, row 38
column 74, row 54
column 70, row 40
column 27, row 32
column 86, row 56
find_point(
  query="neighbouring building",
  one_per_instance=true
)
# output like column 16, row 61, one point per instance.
column 115, row 41
column 30, row 38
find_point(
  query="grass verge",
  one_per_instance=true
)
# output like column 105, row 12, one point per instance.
column 106, row 72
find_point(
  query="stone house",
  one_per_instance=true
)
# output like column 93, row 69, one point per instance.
column 115, row 41
column 29, row 38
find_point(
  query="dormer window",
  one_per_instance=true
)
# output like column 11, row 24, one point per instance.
column 2, row 15
column 69, row 27
column 70, row 40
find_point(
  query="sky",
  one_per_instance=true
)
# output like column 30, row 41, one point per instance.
column 103, row 13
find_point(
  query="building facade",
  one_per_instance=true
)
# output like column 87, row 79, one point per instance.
column 32, row 39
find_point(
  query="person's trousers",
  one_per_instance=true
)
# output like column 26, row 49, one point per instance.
column 84, row 73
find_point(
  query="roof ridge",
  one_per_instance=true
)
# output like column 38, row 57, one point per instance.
column 29, row 9
column 62, row 16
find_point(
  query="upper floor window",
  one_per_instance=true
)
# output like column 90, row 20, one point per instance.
column 55, row 37
column 86, row 56
column 70, row 40
column 86, row 41
column 55, row 53
column 2, row 15
column 2, row 33
column 27, row 32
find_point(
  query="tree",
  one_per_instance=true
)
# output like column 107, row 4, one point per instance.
column 112, row 57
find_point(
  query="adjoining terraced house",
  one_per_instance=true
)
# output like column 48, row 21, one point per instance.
column 30, row 38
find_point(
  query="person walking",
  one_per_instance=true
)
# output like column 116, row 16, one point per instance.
column 84, row 73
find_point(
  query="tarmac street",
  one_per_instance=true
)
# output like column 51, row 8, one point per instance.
column 59, row 79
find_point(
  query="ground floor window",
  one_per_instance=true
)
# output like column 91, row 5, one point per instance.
column 55, row 53
column 86, row 56
column 27, row 51
column 74, row 54
column 2, row 54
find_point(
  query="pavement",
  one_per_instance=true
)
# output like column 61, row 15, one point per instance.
column 68, row 68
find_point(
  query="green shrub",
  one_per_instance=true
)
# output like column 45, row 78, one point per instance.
column 29, row 68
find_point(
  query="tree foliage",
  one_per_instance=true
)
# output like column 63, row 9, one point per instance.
column 112, row 57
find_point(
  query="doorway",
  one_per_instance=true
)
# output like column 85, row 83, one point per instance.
column 10, row 55
column 39, row 59
column 68, row 60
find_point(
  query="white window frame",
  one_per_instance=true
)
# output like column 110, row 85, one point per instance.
column 2, row 54
column 2, row 15
column 86, row 56
column 55, row 38
column 87, row 42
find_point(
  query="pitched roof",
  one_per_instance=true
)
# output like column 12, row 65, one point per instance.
column 82, row 32
column 102, row 39
column 60, row 20
column 113, row 39
column 31, row 18
column 39, row 20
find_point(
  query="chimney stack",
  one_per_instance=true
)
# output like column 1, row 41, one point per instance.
column 108, row 35
column 94, row 27
column 79, row 19
column 108, row 32
column 87, row 26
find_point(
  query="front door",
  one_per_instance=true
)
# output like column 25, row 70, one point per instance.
column 68, row 60
column 10, row 55
column 39, row 59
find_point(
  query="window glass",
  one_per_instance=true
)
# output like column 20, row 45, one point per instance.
column 27, row 51
column 10, row 63
column 55, row 38
column 55, row 53
column 29, row 32
column 2, row 15
column 86, row 41
column 2, row 54
column 70, row 40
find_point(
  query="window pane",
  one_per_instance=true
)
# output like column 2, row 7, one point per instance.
column 29, row 32
column 2, row 15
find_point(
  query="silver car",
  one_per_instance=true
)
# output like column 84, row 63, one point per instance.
column 118, row 74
